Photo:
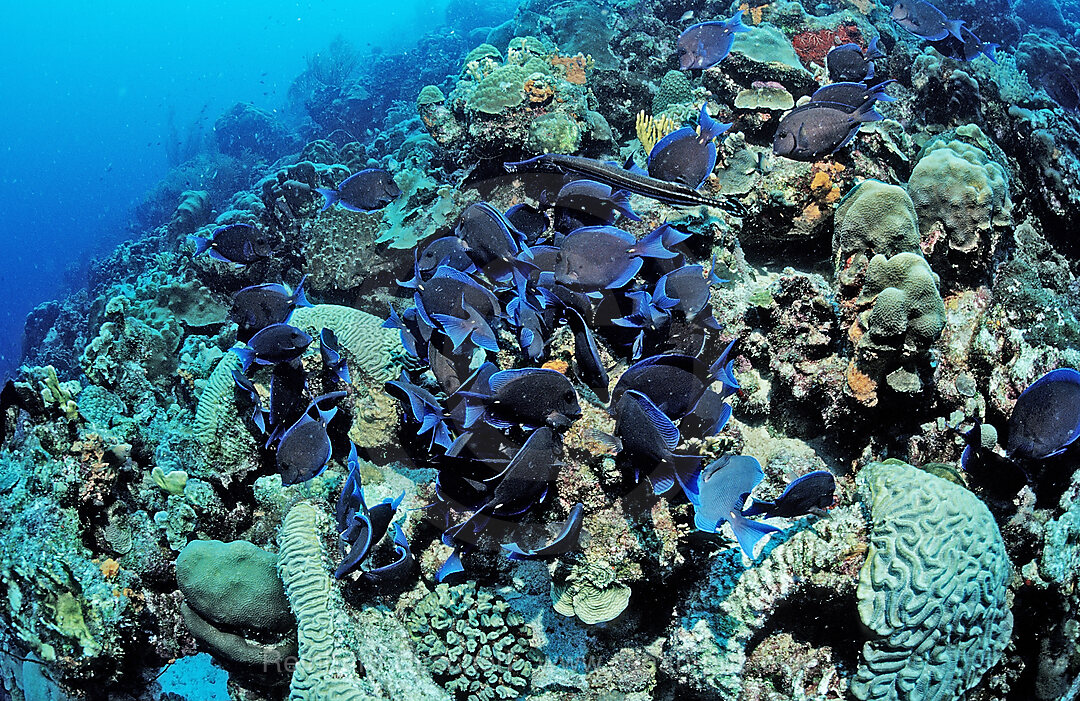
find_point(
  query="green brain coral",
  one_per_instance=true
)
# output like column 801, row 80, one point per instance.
column 933, row 588
column 476, row 646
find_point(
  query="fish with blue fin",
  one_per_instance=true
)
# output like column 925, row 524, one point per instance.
column 304, row 449
column 925, row 21
column 447, row 293
column 333, row 362
column 811, row 493
column 594, row 203
column 817, row 129
column 528, row 220
column 707, row 418
column 603, row 257
column 365, row 191
column 277, row 343
column 426, row 410
column 674, row 382
column 723, row 487
column 488, row 237
column 848, row 63
column 361, row 528
column 256, row 307
column 1046, row 417
column 853, row 95
column 240, row 244
column 288, row 398
column 590, row 366
column 706, row 44
column 686, row 155
column 244, row 383
column 564, row 541
column 530, row 397
column 474, row 327
column 447, row 250
column 967, row 48
column 647, row 441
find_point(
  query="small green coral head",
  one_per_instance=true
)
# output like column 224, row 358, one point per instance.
column 430, row 95
column 173, row 483
column 59, row 394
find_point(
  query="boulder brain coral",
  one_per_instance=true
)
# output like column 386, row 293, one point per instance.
column 874, row 217
column 933, row 588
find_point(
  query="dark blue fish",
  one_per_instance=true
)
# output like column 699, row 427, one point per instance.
column 599, row 257
column 708, row 417
column 333, row 362
column 415, row 331
column 304, row 449
column 288, row 389
column 648, row 440
column 365, row 191
column 530, row 326
column 587, row 357
column 853, row 95
column 706, row 44
column 809, row 494
column 488, row 237
column 448, row 291
column 819, row 128
column 723, row 487
column 532, row 397
column 528, row 220
column 527, row 477
column 924, row 20
column 234, row 243
column 474, row 326
column 448, row 250
column 427, row 410
column 277, row 343
column 967, row 48
column 566, row 540
column 361, row 528
column 848, row 63
column 258, row 417
column 673, row 382
column 684, row 290
column 686, row 155
column 256, row 307
column 598, row 202
column 1046, row 417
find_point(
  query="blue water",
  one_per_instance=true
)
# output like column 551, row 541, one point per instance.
column 92, row 90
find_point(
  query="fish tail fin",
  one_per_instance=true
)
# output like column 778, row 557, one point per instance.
column 633, row 167
column 451, row 567
column 873, row 51
column 758, row 507
column 652, row 246
column 954, row 26
column 620, row 200
column 202, row 244
column 867, row 113
column 673, row 236
column 343, row 373
column 331, row 195
column 878, row 91
column 735, row 24
column 988, row 50
column 869, row 72
column 246, row 356
column 709, row 128
column 299, row 298
column 715, row 279
column 687, row 469
column 457, row 329
column 749, row 532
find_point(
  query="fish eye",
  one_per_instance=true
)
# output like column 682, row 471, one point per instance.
column 569, row 395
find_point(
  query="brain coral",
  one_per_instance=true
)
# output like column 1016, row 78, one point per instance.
column 958, row 190
column 933, row 588
column 873, row 218
column 369, row 347
column 218, row 426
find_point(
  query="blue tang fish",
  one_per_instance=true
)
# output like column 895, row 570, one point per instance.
column 566, row 540
column 648, row 440
column 304, row 449
column 277, row 343
column 1046, row 418
column 809, row 494
column 816, row 129
column 239, row 244
column 258, row 416
column 848, row 63
column 925, row 21
column 686, row 155
column 256, row 307
column 852, row 95
column 531, row 397
column 706, row 44
column 368, row 190
column 528, row 220
column 967, row 48
column 723, row 487
column 599, row 257
column 333, row 362
column 361, row 528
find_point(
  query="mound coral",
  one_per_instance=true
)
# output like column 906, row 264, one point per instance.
column 873, row 218
column 476, row 646
column 933, row 588
column 906, row 312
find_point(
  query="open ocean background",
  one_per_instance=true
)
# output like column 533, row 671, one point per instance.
column 97, row 93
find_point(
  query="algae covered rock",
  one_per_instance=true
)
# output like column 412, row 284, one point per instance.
column 933, row 589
